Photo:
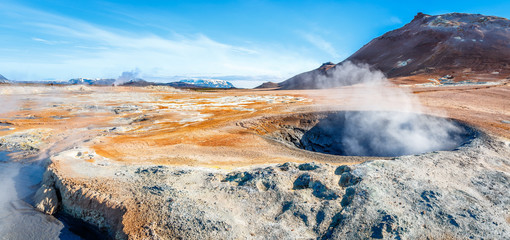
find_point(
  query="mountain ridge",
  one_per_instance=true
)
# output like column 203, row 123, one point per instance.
column 208, row 83
column 3, row 79
column 458, row 44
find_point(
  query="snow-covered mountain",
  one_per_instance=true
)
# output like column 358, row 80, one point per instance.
column 89, row 81
column 208, row 83
column 3, row 79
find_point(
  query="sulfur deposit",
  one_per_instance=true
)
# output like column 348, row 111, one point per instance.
column 151, row 163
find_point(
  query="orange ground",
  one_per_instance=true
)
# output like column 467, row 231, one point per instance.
column 201, row 128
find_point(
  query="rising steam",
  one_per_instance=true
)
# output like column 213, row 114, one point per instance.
column 391, row 122
column 127, row 76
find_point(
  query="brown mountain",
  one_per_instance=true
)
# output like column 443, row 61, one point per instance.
column 459, row 44
column 268, row 85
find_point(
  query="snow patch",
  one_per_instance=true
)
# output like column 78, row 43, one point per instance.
column 404, row 63
column 208, row 83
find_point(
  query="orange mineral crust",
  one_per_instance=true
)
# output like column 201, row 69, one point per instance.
column 128, row 158
column 168, row 126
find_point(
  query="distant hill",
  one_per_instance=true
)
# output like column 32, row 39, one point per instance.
column 203, row 83
column 181, row 85
column 89, row 81
column 268, row 85
column 457, row 44
column 137, row 82
column 3, row 79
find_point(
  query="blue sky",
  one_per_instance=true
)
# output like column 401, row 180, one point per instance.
column 247, row 42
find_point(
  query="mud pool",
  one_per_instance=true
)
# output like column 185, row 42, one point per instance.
column 18, row 218
column 373, row 133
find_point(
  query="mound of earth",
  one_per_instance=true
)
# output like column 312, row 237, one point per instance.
column 458, row 44
column 268, row 85
column 137, row 83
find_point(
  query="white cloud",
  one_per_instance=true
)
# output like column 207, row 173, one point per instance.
column 41, row 40
column 321, row 44
column 48, row 42
column 98, row 51
column 395, row 20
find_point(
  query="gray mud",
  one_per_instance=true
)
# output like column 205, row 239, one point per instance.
column 18, row 218
column 374, row 133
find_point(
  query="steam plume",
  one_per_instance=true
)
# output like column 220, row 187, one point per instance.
column 391, row 122
column 127, row 76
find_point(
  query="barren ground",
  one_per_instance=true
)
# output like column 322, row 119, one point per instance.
column 160, row 163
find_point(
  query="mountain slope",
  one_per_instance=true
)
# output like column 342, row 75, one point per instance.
column 309, row 80
column 455, row 43
column 3, row 79
column 268, row 85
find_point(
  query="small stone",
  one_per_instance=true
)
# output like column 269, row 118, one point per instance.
column 348, row 179
column 321, row 191
column 308, row 166
column 345, row 179
column 302, row 182
column 341, row 169
column 348, row 196
column 285, row 167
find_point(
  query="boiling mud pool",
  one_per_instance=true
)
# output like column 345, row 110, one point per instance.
column 18, row 218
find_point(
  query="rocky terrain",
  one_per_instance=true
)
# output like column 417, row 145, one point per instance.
column 363, row 157
column 158, row 163
column 466, row 46
column 461, row 195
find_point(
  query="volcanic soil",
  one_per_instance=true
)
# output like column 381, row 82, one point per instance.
column 160, row 163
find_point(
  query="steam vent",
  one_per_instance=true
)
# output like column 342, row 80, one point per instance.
column 373, row 133
column 160, row 136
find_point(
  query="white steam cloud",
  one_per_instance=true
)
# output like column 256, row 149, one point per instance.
column 127, row 76
column 388, row 121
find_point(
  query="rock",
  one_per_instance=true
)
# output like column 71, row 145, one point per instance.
column 286, row 166
column 341, row 169
column 46, row 199
column 240, row 178
column 385, row 227
column 308, row 166
column 319, row 189
column 302, row 182
column 348, row 196
column 323, row 192
column 347, row 179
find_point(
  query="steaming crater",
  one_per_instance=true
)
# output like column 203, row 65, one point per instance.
column 372, row 133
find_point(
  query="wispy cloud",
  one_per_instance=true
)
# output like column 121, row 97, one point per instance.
column 98, row 51
column 321, row 44
column 41, row 40
column 395, row 20
column 48, row 42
